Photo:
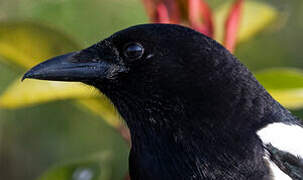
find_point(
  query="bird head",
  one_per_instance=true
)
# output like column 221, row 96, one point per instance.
column 155, row 69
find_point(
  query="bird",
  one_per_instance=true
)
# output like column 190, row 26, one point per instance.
column 194, row 111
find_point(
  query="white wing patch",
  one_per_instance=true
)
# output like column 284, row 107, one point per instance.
column 285, row 137
column 276, row 172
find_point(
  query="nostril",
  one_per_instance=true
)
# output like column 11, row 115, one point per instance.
column 82, row 58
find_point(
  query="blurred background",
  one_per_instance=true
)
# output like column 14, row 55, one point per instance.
column 74, row 136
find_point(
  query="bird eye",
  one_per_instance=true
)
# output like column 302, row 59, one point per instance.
column 133, row 51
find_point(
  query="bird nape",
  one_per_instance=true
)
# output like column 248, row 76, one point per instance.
column 193, row 110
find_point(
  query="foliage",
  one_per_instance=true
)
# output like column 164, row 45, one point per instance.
column 45, row 43
column 24, row 44
column 95, row 168
column 284, row 84
column 230, row 23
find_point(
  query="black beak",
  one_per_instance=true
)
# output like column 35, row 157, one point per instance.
column 70, row 67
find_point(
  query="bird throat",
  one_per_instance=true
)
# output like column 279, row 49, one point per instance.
column 195, row 135
column 172, row 139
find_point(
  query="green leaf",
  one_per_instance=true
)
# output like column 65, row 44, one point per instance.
column 284, row 84
column 95, row 168
column 102, row 107
column 27, row 43
column 256, row 17
column 30, row 92
column 281, row 78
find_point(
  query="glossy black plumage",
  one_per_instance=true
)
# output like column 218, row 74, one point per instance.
column 192, row 108
column 292, row 165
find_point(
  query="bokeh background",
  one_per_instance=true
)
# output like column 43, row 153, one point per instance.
column 61, row 139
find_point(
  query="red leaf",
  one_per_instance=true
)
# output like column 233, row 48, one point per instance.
column 162, row 14
column 150, row 7
column 127, row 177
column 162, row 11
column 125, row 133
column 173, row 10
column 232, row 25
column 200, row 17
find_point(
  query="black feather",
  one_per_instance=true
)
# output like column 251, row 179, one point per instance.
column 192, row 108
column 290, row 164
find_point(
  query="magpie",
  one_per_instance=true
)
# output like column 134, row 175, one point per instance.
column 194, row 111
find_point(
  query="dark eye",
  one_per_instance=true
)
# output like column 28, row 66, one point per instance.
column 133, row 51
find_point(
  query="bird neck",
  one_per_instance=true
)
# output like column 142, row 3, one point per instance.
column 201, row 128
column 196, row 133
column 240, row 105
column 192, row 147
column 233, row 103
